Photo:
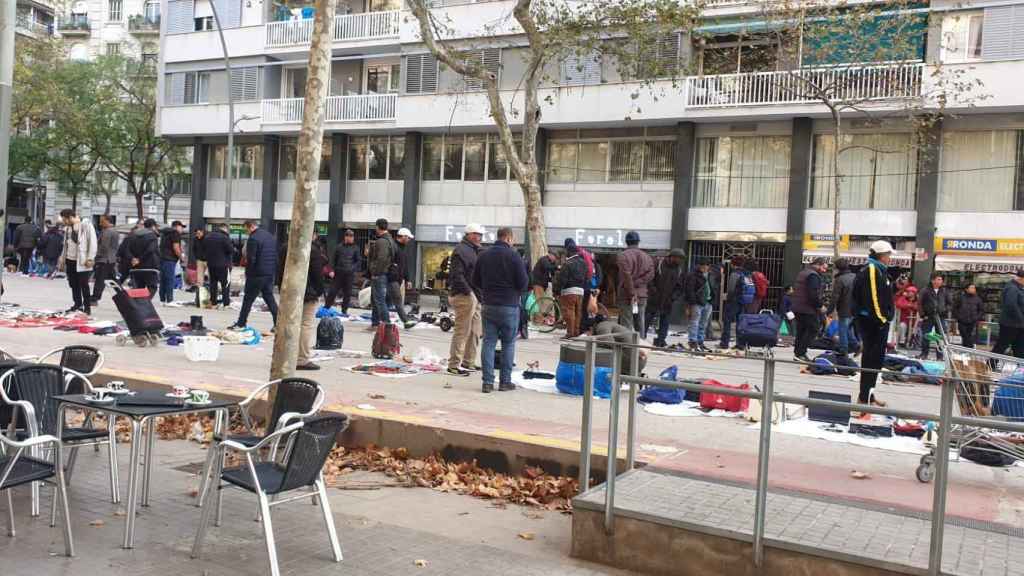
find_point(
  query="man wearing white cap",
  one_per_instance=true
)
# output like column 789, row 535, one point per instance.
column 873, row 311
column 399, row 277
column 464, row 302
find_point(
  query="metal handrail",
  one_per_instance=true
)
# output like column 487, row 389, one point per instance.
column 767, row 396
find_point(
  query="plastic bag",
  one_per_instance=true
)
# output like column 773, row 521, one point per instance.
column 250, row 337
column 364, row 297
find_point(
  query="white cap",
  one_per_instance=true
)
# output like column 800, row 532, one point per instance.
column 474, row 228
column 881, row 247
column 405, row 232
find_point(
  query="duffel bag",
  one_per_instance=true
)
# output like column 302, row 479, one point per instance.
column 1009, row 399
column 758, row 330
column 723, row 401
column 661, row 395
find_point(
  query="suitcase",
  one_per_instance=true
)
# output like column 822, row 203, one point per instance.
column 386, row 343
column 722, row 401
column 758, row 330
column 136, row 309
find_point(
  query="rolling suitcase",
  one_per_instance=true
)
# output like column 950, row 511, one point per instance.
column 138, row 312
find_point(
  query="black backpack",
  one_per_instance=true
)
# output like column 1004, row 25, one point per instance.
column 330, row 334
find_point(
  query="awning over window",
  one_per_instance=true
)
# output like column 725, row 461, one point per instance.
column 898, row 260
column 952, row 262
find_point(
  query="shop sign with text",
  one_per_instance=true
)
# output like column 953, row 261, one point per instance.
column 825, row 241
column 985, row 246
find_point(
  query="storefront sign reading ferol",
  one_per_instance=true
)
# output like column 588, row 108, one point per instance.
column 980, row 246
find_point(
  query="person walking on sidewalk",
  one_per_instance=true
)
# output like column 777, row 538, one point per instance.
column 873, row 311
column 220, row 255
column 935, row 305
column 310, row 304
column 347, row 261
column 668, row 287
column 399, row 277
column 260, row 270
column 697, row 295
column 500, row 277
column 842, row 303
column 170, row 255
column 636, row 270
column 26, row 238
column 808, row 306
column 78, row 258
column 464, row 301
column 1011, row 317
column 968, row 312
column 570, row 285
column 106, row 257
column 380, row 260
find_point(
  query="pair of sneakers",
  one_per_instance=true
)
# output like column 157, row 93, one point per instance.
column 463, row 370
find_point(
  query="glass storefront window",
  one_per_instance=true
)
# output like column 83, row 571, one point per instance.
column 593, row 162
column 475, row 146
column 453, row 157
column 396, row 158
column 377, row 158
column 432, row 154
column 742, row 172
column 357, row 159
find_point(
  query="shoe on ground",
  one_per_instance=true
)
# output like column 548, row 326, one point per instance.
column 410, row 324
column 72, row 309
column 660, row 344
column 803, row 358
column 236, row 327
column 703, row 348
column 487, row 388
column 471, row 367
column 309, row 366
column 461, row 372
column 508, row 387
column 94, row 302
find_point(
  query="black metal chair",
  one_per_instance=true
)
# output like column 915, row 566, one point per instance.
column 309, row 444
column 294, row 399
column 31, row 389
column 85, row 360
column 18, row 469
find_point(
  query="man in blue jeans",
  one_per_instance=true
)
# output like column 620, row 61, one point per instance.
column 170, row 255
column 698, row 294
column 732, row 308
column 260, row 270
column 381, row 261
column 842, row 306
column 500, row 277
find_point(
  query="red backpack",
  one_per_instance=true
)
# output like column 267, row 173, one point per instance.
column 386, row 343
column 760, row 285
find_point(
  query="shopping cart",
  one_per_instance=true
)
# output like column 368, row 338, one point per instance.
column 136, row 308
column 988, row 386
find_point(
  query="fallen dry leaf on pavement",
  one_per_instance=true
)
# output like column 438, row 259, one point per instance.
column 97, row 523
column 376, row 396
column 527, row 535
column 420, row 563
column 856, row 475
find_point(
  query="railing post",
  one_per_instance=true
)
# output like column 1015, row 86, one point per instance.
column 634, row 370
column 588, row 413
column 613, row 441
column 763, row 453
column 941, row 479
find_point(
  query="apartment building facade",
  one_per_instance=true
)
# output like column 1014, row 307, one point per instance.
column 720, row 162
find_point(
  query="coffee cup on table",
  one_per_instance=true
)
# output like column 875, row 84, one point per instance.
column 180, row 390
column 199, row 396
column 117, row 385
column 99, row 393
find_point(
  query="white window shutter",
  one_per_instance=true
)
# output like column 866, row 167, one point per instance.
column 487, row 58
column 229, row 12
column 420, row 73
column 188, row 87
column 180, row 15
column 245, row 83
column 176, row 88
column 579, row 70
column 1003, row 33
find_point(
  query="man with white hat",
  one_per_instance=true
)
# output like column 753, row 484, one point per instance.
column 399, row 277
column 873, row 311
column 465, row 302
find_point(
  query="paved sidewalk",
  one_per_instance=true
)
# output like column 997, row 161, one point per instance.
column 382, row 532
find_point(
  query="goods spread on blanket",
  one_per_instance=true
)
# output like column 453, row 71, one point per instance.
column 18, row 317
column 394, row 368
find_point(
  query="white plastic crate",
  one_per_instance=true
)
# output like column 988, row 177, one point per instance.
column 202, row 348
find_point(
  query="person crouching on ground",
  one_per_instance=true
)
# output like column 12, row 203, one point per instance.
column 310, row 303
column 873, row 311
column 500, row 277
column 570, row 283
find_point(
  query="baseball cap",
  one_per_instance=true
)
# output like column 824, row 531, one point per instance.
column 881, row 247
column 405, row 232
column 474, row 228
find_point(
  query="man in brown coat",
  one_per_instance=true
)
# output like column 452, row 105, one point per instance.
column 636, row 270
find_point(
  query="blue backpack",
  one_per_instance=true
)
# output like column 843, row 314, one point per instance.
column 747, row 288
column 659, row 395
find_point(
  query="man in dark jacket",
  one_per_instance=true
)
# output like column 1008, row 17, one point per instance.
column 170, row 256
column 935, row 305
column 500, row 277
column 106, row 257
column 26, row 237
column 1011, row 317
column 310, row 304
column 260, row 269
column 465, row 302
column 379, row 263
column 842, row 302
column 219, row 257
column 733, row 305
column 399, row 277
column 873, row 310
column 698, row 295
column 968, row 312
column 543, row 272
column 347, row 261
column 636, row 270
column 52, row 243
column 197, row 257
column 143, row 253
column 808, row 306
column 668, row 287
column 570, row 285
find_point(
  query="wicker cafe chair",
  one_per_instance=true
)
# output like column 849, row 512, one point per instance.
column 294, row 399
column 18, row 469
column 85, row 360
column 31, row 388
column 308, row 446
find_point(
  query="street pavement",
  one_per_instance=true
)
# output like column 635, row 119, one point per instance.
column 722, row 448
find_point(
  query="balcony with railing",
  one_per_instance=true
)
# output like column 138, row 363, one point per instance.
column 75, row 24
column 347, row 28
column 354, row 108
column 144, row 24
column 35, row 28
column 841, row 83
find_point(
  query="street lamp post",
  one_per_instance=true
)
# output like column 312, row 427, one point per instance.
column 8, row 15
column 231, row 116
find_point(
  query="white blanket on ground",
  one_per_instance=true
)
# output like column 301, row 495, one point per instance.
column 687, row 409
column 820, row 430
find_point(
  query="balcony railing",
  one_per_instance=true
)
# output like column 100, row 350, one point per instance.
column 74, row 24
column 846, row 84
column 347, row 28
column 36, row 28
column 357, row 108
column 144, row 24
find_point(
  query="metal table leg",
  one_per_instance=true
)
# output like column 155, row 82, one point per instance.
column 133, row 481
column 148, row 463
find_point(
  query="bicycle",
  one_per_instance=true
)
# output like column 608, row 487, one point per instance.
column 546, row 315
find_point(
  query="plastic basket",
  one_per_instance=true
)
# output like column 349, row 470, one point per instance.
column 202, row 348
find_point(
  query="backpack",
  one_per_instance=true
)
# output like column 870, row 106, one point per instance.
column 829, row 363
column 330, row 334
column 386, row 343
column 661, row 395
column 746, row 289
column 761, row 284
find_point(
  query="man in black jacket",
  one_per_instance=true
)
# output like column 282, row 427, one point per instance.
column 399, row 277
column 698, row 295
column 842, row 303
column 570, row 286
column 379, row 263
column 26, row 237
column 1011, row 317
column 500, row 277
column 310, row 304
column 143, row 253
column 667, row 288
column 347, row 262
column 935, row 304
column 260, row 269
column 220, row 255
column 51, row 245
column 543, row 273
column 807, row 305
column 969, row 311
column 465, row 302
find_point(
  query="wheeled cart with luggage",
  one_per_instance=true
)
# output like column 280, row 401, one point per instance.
column 139, row 314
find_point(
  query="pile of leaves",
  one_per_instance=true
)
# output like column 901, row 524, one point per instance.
column 533, row 487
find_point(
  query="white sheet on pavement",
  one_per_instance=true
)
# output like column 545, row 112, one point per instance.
column 810, row 429
column 686, row 409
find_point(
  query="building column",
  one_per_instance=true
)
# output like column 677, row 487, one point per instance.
column 411, row 195
column 682, row 186
column 271, row 164
column 200, row 161
column 927, row 202
column 339, row 181
column 799, row 188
